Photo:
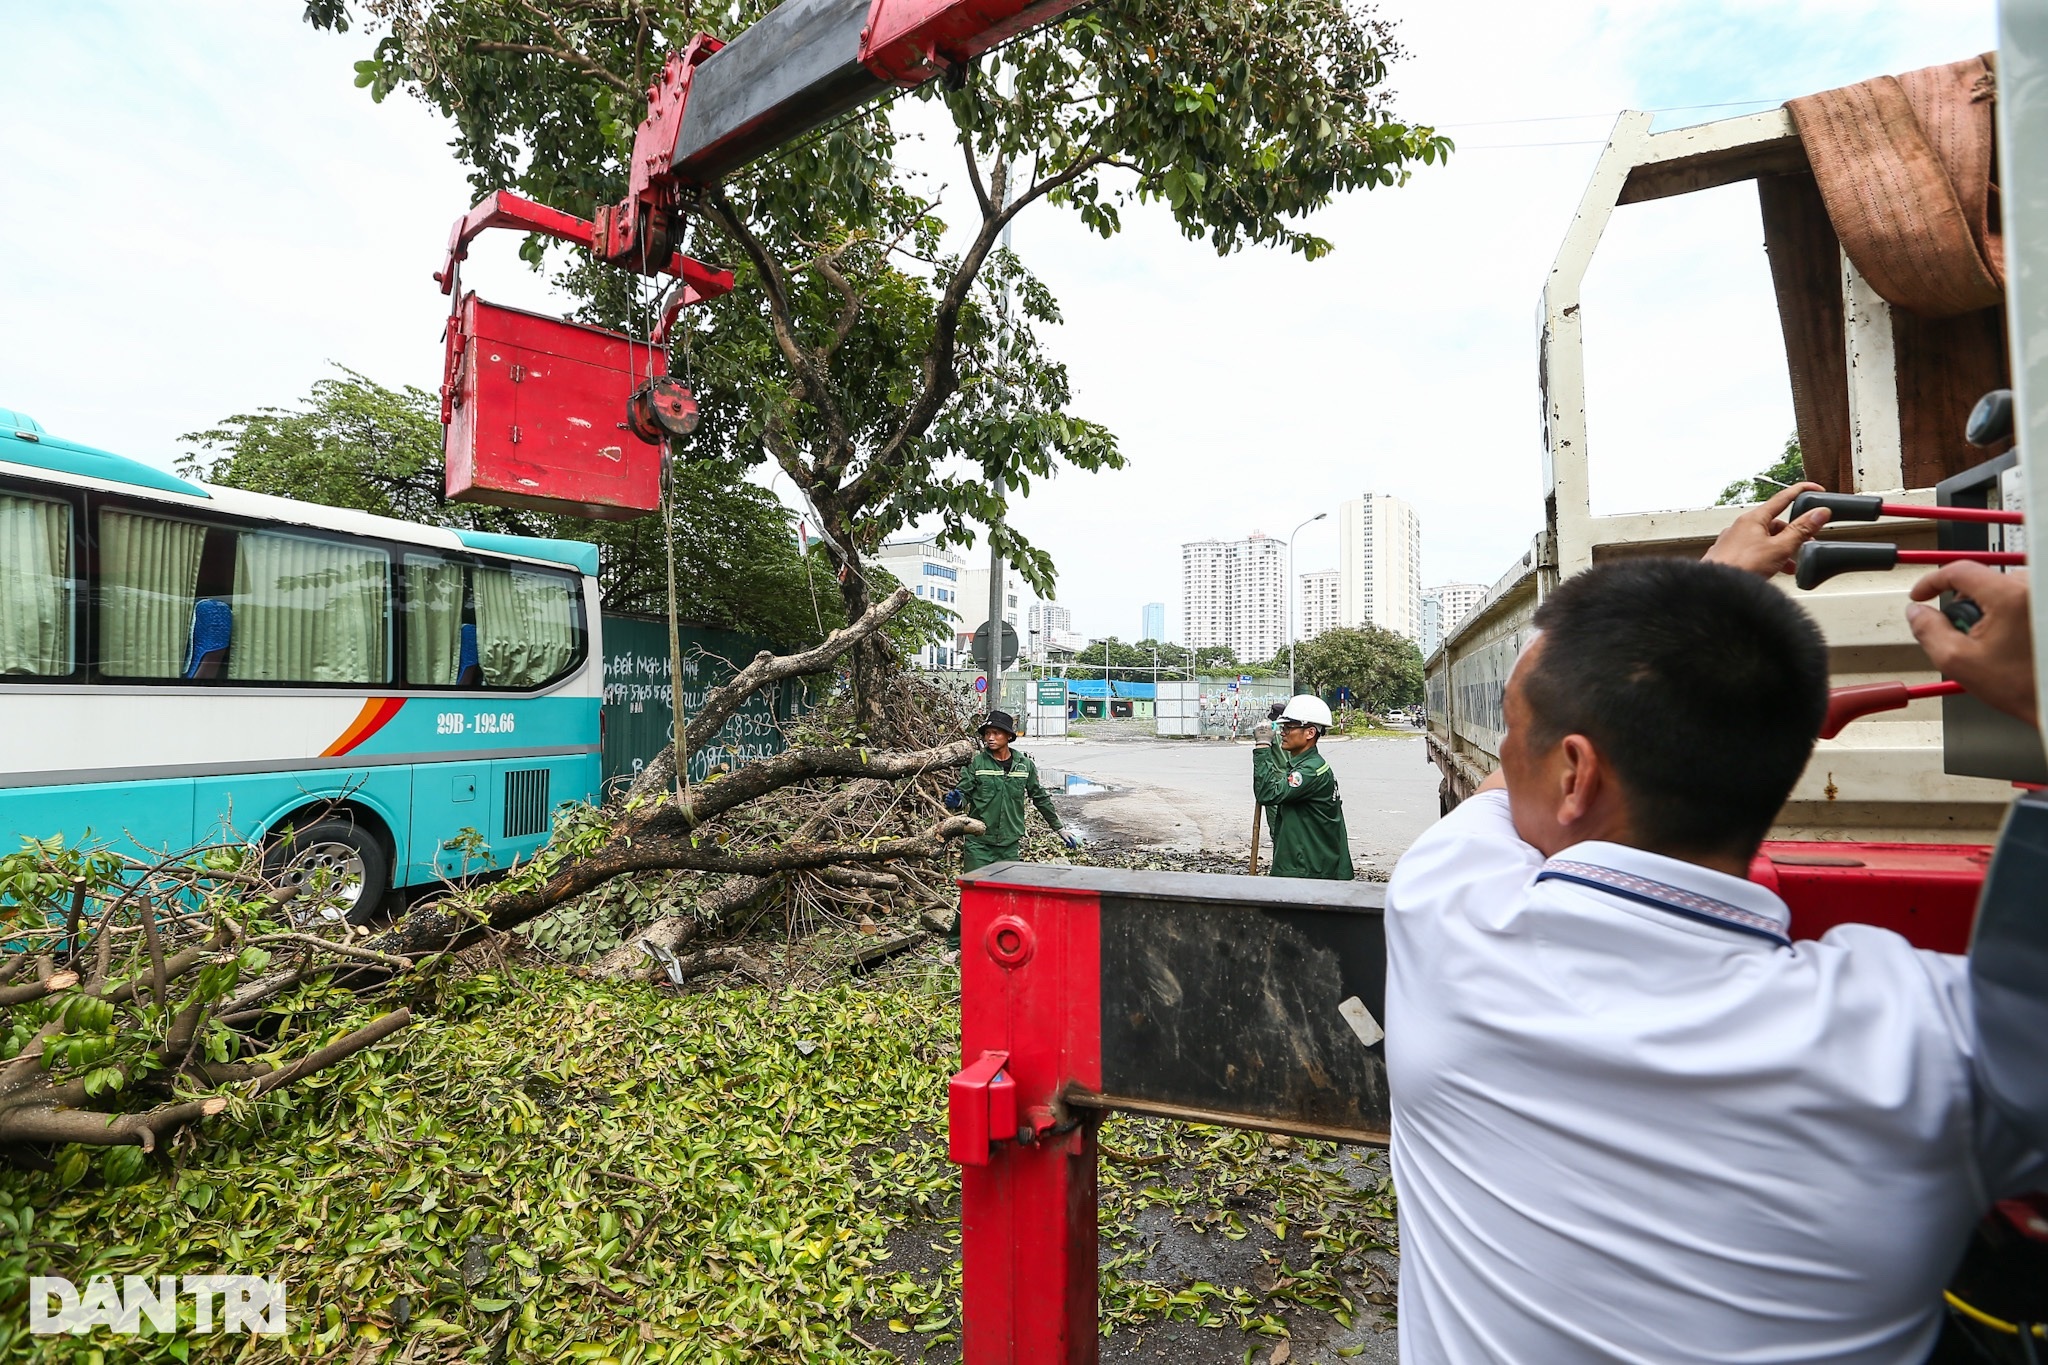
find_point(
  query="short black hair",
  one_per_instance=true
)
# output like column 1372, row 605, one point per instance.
column 1702, row 685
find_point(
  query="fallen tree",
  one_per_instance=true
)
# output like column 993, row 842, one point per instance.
column 722, row 827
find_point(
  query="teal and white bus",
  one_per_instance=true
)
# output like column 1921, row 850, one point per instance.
column 182, row 664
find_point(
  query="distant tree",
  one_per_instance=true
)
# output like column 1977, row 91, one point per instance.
column 1134, row 663
column 1790, row 469
column 354, row 443
column 1383, row 669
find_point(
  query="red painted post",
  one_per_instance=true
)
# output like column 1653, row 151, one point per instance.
column 1030, row 989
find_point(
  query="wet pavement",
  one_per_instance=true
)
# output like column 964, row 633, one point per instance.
column 1194, row 795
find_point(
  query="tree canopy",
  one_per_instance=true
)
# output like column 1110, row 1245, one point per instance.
column 1789, row 469
column 1382, row 668
column 355, row 443
column 895, row 378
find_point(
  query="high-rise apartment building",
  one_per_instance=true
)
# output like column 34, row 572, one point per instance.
column 1154, row 627
column 933, row 574
column 1232, row 592
column 1047, row 617
column 1318, row 604
column 1443, row 607
column 1379, row 564
column 1052, row 632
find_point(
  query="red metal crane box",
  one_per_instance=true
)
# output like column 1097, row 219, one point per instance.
column 538, row 417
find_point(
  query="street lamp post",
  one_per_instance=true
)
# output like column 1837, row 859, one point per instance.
column 1287, row 597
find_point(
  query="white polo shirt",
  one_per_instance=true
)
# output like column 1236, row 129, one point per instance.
column 1633, row 1122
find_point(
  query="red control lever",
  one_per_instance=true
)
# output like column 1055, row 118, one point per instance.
column 1852, row 703
column 981, row 1109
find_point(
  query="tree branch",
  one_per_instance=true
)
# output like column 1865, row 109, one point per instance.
column 797, row 765
column 569, row 55
column 766, row 669
column 435, row 930
column 88, row 1127
column 369, row 1035
column 940, row 375
column 781, row 316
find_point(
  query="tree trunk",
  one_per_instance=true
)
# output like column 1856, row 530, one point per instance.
column 868, row 661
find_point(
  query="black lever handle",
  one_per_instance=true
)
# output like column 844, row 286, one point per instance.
column 1819, row 561
column 1841, row 506
column 1991, row 420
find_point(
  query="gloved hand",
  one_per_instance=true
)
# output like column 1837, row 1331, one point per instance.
column 1070, row 838
column 1262, row 733
column 955, row 799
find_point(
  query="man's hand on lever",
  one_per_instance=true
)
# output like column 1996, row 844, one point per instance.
column 1759, row 542
column 1994, row 659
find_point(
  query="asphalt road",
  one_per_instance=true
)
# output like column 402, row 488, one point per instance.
column 1196, row 794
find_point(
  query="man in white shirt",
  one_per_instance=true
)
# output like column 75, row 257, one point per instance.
column 1632, row 1121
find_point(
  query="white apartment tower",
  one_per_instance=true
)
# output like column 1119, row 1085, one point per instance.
column 1379, row 564
column 1443, row 607
column 1233, row 592
column 1318, row 604
column 933, row 574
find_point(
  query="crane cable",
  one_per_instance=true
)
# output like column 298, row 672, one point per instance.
column 678, row 720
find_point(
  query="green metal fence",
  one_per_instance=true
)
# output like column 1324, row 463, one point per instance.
column 636, row 696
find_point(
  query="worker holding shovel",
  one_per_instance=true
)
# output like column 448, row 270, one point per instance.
column 995, row 789
column 1296, row 788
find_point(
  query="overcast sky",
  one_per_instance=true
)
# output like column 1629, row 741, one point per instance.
column 199, row 214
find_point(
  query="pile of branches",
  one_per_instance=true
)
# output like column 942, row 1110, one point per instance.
column 841, row 815
column 138, row 997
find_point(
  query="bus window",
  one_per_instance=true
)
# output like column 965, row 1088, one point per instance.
column 526, row 626
column 148, row 591
column 310, row 611
column 433, row 622
column 35, row 587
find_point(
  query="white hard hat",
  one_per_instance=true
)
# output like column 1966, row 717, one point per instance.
column 1308, row 710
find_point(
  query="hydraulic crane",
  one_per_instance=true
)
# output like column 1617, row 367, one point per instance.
column 556, row 416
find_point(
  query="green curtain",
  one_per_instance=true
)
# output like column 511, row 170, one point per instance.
column 525, row 626
column 433, row 621
column 149, row 579
column 309, row 611
column 35, row 586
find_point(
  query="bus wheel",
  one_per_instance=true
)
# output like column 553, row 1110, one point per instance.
column 337, row 859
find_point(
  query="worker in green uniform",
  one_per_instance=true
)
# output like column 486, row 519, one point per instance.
column 994, row 789
column 1295, row 784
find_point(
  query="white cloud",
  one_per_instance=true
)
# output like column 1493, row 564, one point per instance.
column 198, row 212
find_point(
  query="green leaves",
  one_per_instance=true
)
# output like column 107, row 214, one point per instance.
column 122, row 1166
column 1382, row 668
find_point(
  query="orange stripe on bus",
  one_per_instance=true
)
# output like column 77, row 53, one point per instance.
column 376, row 712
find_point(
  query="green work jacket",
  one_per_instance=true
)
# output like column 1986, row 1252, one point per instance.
column 1304, row 815
column 997, row 799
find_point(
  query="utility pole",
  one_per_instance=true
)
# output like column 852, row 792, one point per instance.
column 995, row 557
